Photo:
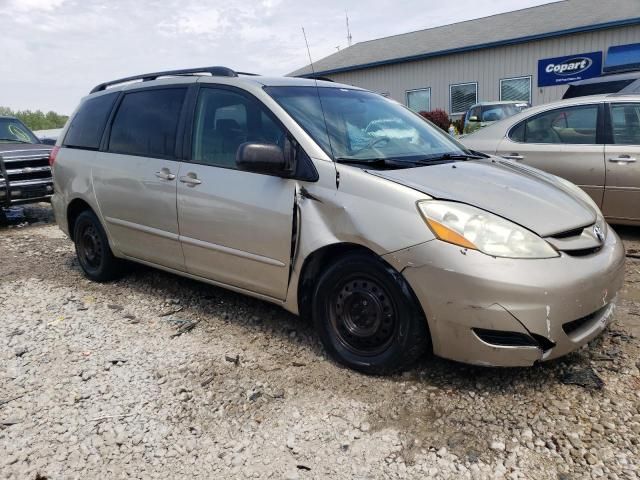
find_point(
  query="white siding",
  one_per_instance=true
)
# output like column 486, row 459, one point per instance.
column 486, row 66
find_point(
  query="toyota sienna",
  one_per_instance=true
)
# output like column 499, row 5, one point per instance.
column 281, row 188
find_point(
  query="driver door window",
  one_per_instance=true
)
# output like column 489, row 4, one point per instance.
column 224, row 121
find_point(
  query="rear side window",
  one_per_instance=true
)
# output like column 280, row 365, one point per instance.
column 88, row 124
column 571, row 125
column 625, row 123
column 146, row 123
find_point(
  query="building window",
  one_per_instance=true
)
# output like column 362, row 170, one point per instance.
column 419, row 100
column 462, row 96
column 516, row 89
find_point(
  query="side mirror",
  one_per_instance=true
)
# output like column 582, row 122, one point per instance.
column 265, row 158
column 473, row 118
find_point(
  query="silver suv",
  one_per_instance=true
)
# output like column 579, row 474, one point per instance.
column 302, row 193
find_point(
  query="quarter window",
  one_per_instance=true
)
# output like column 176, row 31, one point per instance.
column 146, row 123
column 573, row 125
column 88, row 124
column 625, row 123
column 225, row 120
column 462, row 97
column 419, row 100
column 515, row 89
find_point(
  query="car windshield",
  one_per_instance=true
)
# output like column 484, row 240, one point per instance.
column 14, row 131
column 363, row 126
column 494, row 113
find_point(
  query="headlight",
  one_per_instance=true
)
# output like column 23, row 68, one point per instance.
column 470, row 227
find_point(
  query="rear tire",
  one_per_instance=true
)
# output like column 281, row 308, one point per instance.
column 367, row 317
column 92, row 249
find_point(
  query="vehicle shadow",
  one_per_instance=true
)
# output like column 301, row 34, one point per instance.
column 38, row 213
column 627, row 233
column 214, row 304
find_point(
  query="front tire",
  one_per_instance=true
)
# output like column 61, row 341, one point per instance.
column 367, row 317
column 92, row 249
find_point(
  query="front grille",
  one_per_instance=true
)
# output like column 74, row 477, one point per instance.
column 569, row 233
column 13, row 164
column 16, row 176
column 571, row 327
column 25, row 174
column 578, row 242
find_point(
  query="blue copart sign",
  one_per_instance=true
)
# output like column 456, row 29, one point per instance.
column 560, row 70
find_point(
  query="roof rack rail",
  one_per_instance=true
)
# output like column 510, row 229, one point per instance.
column 316, row 77
column 145, row 77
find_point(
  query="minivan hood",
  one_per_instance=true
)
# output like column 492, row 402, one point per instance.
column 524, row 195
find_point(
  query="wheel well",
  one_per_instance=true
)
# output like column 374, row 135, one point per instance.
column 75, row 208
column 315, row 264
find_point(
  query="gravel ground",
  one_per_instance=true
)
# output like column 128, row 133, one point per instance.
column 156, row 376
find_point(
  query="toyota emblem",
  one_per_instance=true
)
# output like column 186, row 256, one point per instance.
column 597, row 231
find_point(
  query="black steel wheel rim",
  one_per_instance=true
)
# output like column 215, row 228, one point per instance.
column 90, row 247
column 362, row 315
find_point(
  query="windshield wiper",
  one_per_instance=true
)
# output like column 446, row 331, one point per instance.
column 377, row 162
column 451, row 156
column 392, row 162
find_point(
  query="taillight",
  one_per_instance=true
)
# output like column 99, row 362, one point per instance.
column 53, row 154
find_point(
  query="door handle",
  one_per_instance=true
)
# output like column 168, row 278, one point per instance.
column 513, row 156
column 191, row 179
column 623, row 159
column 165, row 174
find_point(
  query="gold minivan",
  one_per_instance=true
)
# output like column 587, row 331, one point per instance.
column 342, row 206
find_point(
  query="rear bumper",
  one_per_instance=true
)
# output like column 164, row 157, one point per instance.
column 556, row 305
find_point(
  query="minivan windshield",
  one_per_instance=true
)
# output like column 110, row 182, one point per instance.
column 13, row 130
column 363, row 126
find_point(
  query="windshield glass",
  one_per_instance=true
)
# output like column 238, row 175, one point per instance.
column 13, row 130
column 363, row 125
column 494, row 113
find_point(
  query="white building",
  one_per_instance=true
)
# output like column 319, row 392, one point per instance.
column 511, row 56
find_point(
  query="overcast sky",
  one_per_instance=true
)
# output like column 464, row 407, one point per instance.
column 54, row 51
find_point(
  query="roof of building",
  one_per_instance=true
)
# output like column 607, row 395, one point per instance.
column 544, row 21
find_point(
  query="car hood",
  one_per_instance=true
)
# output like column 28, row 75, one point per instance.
column 10, row 147
column 524, row 195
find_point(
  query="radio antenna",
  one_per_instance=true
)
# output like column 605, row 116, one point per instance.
column 324, row 118
column 349, row 37
column 306, row 42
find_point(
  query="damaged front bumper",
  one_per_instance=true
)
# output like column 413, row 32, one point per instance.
column 511, row 312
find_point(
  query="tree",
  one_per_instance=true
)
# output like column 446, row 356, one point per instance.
column 438, row 117
column 36, row 120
